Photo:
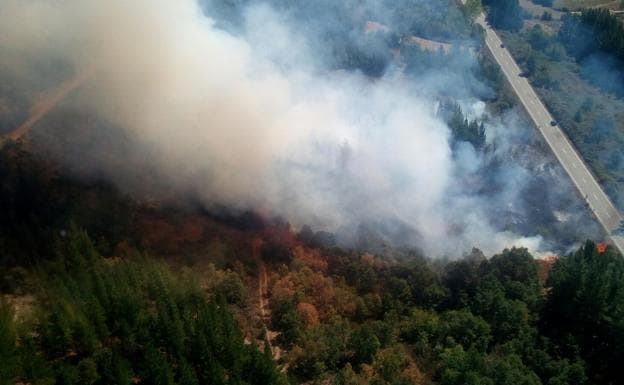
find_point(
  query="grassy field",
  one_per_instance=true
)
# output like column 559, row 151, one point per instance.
column 537, row 10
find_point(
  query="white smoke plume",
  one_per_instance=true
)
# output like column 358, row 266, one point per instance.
column 249, row 121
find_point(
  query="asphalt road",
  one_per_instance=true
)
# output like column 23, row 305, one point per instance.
column 588, row 187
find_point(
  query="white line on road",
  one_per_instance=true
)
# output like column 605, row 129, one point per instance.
column 553, row 135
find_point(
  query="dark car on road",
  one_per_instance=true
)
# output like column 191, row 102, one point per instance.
column 553, row 123
column 502, row 45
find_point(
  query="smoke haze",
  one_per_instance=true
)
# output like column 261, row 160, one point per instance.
column 251, row 113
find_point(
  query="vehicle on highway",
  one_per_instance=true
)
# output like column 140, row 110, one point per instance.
column 553, row 123
column 502, row 45
column 523, row 74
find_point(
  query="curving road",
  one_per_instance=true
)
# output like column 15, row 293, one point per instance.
column 581, row 176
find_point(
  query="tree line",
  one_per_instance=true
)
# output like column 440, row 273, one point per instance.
column 504, row 14
column 591, row 31
column 343, row 316
column 106, row 321
column 472, row 321
column 462, row 129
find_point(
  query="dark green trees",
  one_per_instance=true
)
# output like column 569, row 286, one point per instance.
column 584, row 313
column 504, row 14
column 364, row 344
column 592, row 31
column 465, row 130
column 114, row 322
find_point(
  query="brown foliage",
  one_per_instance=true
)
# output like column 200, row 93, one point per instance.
column 311, row 258
column 308, row 314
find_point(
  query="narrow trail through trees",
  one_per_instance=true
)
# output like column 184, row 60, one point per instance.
column 263, row 300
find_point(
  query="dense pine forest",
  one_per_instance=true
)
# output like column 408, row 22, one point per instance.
column 119, row 266
column 111, row 321
column 94, row 306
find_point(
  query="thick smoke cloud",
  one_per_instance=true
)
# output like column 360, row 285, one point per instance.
column 246, row 114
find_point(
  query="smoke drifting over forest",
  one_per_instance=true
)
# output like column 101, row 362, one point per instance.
column 245, row 107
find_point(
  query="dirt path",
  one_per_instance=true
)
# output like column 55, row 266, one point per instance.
column 263, row 300
column 46, row 103
column 263, row 292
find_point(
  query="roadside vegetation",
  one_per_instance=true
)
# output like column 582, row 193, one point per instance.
column 504, row 14
column 575, row 70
